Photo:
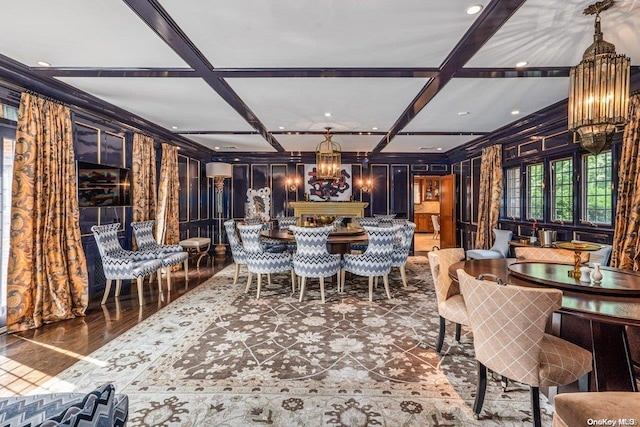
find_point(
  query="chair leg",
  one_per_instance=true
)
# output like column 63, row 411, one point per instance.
column 168, row 271
column 186, row 269
column 322, row 289
column 458, row 331
column 440, row 335
column 371, row 288
column 269, row 278
column 249, row 278
column 385, row 279
column 107, row 289
column 160, row 294
column 375, row 282
column 303, row 283
column 237, row 273
column 343, row 275
column 293, row 281
column 481, row 389
column 140, row 296
column 505, row 383
column 118, row 286
column 403, row 274
column 259, row 285
column 535, row 406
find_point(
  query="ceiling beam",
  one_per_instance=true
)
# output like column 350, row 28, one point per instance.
column 154, row 15
column 114, row 72
column 488, row 23
column 502, row 73
column 318, row 132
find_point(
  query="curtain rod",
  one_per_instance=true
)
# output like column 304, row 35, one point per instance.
column 46, row 98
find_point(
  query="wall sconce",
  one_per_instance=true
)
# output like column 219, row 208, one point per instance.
column 599, row 89
column 365, row 185
column 292, row 183
column 219, row 171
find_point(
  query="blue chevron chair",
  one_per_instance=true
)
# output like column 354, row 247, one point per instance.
column 170, row 255
column 285, row 221
column 237, row 251
column 312, row 259
column 364, row 221
column 259, row 261
column 119, row 264
column 270, row 245
column 376, row 260
column 402, row 247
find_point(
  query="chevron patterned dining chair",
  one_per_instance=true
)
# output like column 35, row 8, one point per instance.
column 237, row 251
column 259, row 261
column 375, row 261
column 312, row 259
column 401, row 249
column 119, row 264
column 170, row 255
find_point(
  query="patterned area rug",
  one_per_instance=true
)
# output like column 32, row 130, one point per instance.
column 219, row 357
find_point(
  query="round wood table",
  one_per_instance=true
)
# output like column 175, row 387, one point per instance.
column 338, row 242
column 594, row 319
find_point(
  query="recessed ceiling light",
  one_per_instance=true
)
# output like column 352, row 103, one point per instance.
column 522, row 64
column 374, row 128
column 236, row 159
column 515, row 112
column 439, row 148
column 472, row 10
column 174, row 127
column 44, row 64
column 281, row 127
column 463, row 113
column 216, row 148
column 327, row 114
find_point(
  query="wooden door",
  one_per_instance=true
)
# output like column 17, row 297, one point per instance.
column 448, row 211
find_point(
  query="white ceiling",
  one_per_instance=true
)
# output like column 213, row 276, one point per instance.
column 281, row 34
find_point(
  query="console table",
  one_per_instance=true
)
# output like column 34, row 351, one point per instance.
column 329, row 208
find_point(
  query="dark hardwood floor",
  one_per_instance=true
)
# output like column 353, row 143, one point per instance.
column 28, row 359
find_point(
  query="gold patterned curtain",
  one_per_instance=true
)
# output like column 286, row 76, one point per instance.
column 626, row 239
column 47, row 273
column 144, row 178
column 490, row 195
column 167, row 231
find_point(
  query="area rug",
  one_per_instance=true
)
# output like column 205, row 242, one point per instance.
column 220, row 357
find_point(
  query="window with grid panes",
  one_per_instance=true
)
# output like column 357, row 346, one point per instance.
column 562, row 190
column 535, row 198
column 512, row 193
column 597, row 193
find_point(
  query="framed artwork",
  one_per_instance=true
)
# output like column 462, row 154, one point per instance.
column 335, row 190
column 102, row 187
column 259, row 203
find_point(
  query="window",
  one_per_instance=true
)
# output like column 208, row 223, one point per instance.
column 597, row 193
column 562, row 188
column 513, row 193
column 535, row 185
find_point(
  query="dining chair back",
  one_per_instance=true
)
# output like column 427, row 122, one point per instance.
column 402, row 247
column 601, row 256
column 285, row 221
column 556, row 255
column 237, row 251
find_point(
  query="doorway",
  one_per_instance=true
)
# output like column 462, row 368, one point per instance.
column 426, row 212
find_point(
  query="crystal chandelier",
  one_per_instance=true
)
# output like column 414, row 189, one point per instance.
column 328, row 158
column 599, row 89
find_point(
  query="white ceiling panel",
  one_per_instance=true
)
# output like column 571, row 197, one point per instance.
column 357, row 104
column 427, row 144
column 556, row 33
column 309, row 33
column 188, row 103
column 74, row 33
column 351, row 143
column 233, row 143
column 489, row 103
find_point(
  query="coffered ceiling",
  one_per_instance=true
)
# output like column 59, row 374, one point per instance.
column 270, row 75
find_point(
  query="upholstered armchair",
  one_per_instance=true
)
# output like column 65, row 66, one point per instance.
column 508, row 324
column 582, row 409
column 237, row 250
column 601, row 256
column 560, row 256
column 451, row 305
column 170, row 255
column 119, row 264
column 401, row 249
column 259, row 261
column 312, row 259
column 375, row 261
column 500, row 248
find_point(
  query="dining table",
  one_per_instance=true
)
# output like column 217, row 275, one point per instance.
column 593, row 316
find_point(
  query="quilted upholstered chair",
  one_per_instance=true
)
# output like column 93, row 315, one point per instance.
column 508, row 324
column 451, row 305
column 401, row 249
column 237, row 250
column 119, row 264
column 259, row 261
column 500, row 248
column 375, row 261
column 170, row 255
column 312, row 259
column 560, row 256
column 582, row 409
column 602, row 256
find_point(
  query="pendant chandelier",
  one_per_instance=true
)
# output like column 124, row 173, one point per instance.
column 599, row 89
column 328, row 158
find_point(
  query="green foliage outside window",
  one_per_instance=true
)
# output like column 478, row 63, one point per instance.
column 562, row 185
column 535, row 196
column 597, row 199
